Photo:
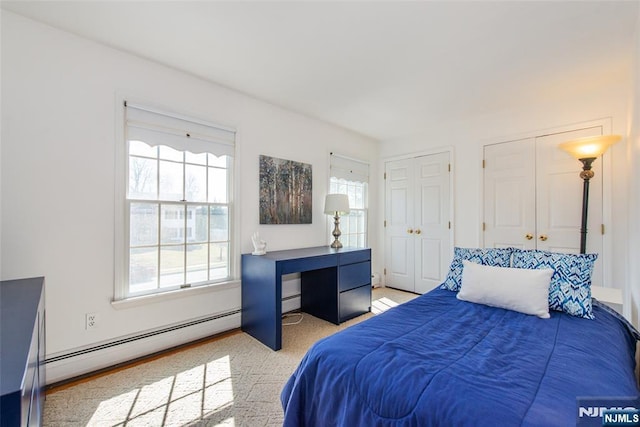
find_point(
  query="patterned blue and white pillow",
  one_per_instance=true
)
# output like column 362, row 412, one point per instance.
column 570, row 288
column 497, row 257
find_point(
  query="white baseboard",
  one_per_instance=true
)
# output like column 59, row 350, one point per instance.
column 74, row 366
column 291, row 304
column 70, row 367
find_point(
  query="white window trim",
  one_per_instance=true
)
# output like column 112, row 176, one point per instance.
column 359, row 174
column 121, row 299
column 138, row 301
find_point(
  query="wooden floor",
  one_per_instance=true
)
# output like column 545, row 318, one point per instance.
column 61, row 385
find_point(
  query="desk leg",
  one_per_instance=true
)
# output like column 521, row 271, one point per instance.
column 262, row 300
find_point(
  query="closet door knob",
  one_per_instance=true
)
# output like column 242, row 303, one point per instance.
column 528, row 236
column 410, row 231
column 418, row 231
column 543, row 237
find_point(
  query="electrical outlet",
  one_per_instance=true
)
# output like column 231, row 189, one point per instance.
column 91, row 321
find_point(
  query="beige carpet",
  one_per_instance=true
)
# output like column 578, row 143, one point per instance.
column 234, row 381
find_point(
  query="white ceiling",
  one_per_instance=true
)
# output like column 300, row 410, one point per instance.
column 381, row 68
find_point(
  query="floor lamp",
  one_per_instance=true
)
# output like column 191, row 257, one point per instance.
column 336, row 205
column 587, row 150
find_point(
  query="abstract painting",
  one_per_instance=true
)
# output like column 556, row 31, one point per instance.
column 285, row 191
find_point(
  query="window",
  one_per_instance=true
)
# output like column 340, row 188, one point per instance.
column 178, row 203
column 351, row 177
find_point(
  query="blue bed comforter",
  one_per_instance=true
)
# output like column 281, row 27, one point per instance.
column 438, row 361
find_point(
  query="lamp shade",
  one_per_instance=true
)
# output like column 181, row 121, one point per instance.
column 336, row 203
column 589, row 147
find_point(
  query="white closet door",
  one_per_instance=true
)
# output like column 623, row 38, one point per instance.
column 509, row 195
column 399, row 242
column 559, row 198
column 431, row 230
column 417, row 234
column 533, row 197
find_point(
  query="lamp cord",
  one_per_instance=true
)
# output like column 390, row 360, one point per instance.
column 284, row 316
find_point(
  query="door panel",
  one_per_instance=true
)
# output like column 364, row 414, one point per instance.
column 559, row 198
column 417, row 222
column 431, row 213
column 399, row 249
column 432, row 228
column 563, row 191
column 399, row 200
column 509, row 189
column 432, row 263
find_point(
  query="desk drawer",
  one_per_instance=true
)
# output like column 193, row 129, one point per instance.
column 355, row 302
column 354, row 275
column 301, row 265
column 355, row 256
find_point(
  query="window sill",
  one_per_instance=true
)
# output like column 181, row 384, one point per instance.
column 171, row 295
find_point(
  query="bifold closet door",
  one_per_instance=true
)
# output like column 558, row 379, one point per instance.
column 432, row 221
column 509, row 195
column 417, row 236
column 399, row 244
column 559, row 199
column 533, row 196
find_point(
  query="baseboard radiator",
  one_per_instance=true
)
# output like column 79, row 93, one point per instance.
column 80, row 362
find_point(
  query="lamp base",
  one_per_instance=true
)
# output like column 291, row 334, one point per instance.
column 336, row 232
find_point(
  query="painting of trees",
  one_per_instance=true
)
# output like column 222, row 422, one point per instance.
column 285, row 191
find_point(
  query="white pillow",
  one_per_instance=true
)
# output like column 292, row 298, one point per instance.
column 517, row 289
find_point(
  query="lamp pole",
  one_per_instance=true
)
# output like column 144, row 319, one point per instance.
column 586, row 150
column 586, row 175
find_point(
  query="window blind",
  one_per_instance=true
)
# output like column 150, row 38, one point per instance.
column 154, row 127
column 349, row 169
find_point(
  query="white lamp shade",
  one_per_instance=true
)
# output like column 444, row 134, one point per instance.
column 336, row 203
column 589, row 147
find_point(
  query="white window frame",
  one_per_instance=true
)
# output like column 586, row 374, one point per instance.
column 122, row 292
column 351, row 172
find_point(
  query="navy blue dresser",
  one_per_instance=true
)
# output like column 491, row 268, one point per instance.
column 22, row 351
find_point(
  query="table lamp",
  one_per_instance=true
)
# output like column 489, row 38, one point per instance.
column 336, row 205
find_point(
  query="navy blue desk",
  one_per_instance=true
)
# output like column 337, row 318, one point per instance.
column 335, row 286
column 22, row 376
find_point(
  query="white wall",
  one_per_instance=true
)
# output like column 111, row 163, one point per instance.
column 59, row 134
column 633, row 154
column 468, row 135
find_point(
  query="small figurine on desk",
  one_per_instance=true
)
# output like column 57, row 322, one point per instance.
column 259, row 246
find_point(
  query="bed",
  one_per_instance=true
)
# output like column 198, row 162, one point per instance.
column 441, row 361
